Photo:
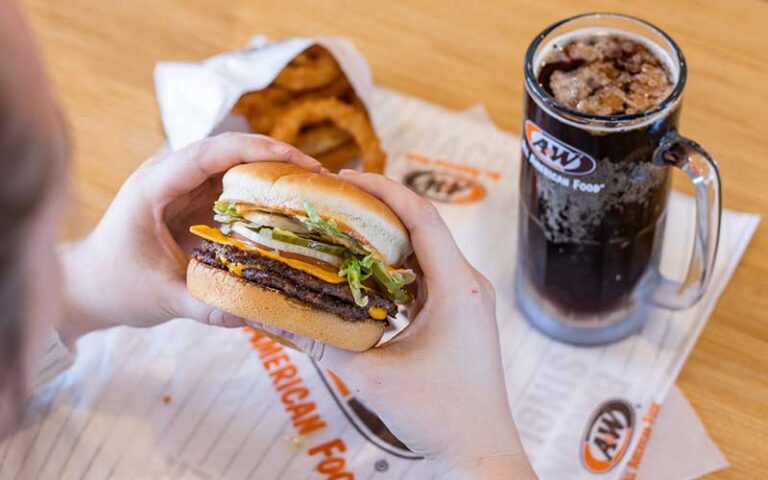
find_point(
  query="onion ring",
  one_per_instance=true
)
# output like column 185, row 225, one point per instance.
column 339, row 88
column 313, row 68
column 261, row 100
column 321, row 138
column 262, row 122
column 344, row 116
column 262, row 108
column 338, row 158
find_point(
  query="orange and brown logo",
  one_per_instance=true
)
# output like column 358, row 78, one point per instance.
column 607, row 436
column 556, row 154
column 446, row 181
column 443, row 186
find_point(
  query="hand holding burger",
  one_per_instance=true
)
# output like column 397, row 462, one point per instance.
column 130, row 269
column 304, row 252
column 439, row 386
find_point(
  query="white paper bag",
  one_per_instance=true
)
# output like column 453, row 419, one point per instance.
column 196, row 97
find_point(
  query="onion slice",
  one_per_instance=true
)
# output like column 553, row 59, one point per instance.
column 276, row 221
column 246, row 232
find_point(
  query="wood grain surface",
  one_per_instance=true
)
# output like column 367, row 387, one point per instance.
column 100, row 56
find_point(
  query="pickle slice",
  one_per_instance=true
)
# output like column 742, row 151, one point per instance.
column 290, row 237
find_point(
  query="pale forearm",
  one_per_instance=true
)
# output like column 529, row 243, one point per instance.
column 84, row 311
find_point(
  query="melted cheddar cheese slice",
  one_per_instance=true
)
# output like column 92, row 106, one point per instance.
column 215, row 235
column 377, row 313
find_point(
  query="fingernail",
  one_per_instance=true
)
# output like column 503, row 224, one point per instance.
column 307, row 161
column 348, row 172
column 220, row 318
column 215, row 318
column 232, row 321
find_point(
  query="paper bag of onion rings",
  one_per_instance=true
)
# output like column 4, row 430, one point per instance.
column 310, row 92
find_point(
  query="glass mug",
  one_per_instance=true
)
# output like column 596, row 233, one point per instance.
column 593, row 198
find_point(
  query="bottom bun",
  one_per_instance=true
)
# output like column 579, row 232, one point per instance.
column 232, row 294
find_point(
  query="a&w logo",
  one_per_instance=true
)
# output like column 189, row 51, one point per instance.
column 444, row 186
column 555, row 154
column 607, row 436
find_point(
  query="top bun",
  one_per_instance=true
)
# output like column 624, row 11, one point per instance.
column 284, row 187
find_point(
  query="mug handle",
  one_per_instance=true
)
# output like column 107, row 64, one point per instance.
column 687, row 155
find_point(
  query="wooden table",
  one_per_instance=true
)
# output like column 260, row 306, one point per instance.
column 100, row 56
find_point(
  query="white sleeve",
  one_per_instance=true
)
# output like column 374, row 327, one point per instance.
column 55, row 359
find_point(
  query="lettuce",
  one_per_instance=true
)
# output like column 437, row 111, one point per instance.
column 355, row 270
column 226, row 209
column 329, row 230
column 393, row 281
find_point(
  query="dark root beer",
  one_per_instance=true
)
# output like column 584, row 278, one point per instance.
column 601, row 113
column 588, row 235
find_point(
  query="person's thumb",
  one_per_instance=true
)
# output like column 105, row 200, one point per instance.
column 220, row 318
column 196, row 310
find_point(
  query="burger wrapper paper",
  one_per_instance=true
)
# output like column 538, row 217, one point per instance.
column 186, row 401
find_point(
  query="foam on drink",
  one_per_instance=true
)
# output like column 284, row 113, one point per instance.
column 605, row 72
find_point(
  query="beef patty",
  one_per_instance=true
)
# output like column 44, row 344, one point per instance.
column 266, row 272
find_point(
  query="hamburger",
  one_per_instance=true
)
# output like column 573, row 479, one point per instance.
column 303, row 252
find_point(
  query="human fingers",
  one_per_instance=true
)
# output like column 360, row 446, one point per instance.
column 184, row 305
column 182, row 171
